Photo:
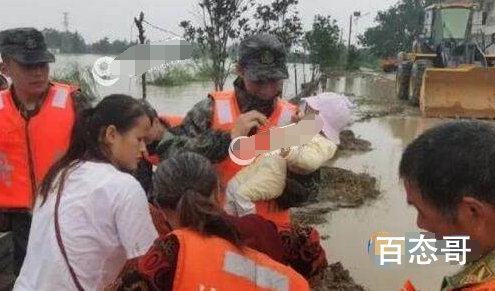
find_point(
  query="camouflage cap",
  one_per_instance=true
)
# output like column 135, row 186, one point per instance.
column 263, row 57
column 25, row 45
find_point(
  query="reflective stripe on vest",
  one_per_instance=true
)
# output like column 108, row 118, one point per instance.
column 224, row 111
column 226, row 102
column 262, row 277
column 285, row 117
column 212, row 263
column 60, row 98
column 29, row 148
column 226, row 169
column 1, row 101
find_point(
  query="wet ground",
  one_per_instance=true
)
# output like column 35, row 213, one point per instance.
column 362, row 193
column 349, row 142
column 389, row 125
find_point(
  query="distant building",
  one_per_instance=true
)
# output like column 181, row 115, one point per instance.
column 487, row 15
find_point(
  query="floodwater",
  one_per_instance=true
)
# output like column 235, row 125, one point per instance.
column 380, row 87
column 348, row 229
column 174, row 100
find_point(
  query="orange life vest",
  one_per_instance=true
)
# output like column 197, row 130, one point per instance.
column 211, row 263
column 29, row 148
column 225, row 113
column 487, row 286
column 172, row 120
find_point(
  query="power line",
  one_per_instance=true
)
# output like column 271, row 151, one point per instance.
column 162, row 29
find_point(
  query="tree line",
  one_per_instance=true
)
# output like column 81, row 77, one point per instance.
column 74, row 43
column 222, row 24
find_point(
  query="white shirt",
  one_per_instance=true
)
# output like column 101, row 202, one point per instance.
column 104, row 220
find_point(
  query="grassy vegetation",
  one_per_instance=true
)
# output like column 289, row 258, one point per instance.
column 182, row 74
column 75, row 74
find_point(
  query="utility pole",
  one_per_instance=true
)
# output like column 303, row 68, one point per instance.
column 350, row 33
column 295, row 72
column 66, row 21
column 356, row 14
column 142, row 39
column 304, row 66
column 66, row 45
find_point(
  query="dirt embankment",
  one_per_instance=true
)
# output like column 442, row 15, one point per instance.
column 349, row 142
column 339, row 188
column 334, row 278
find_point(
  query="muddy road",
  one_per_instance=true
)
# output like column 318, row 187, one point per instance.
column 365, row 195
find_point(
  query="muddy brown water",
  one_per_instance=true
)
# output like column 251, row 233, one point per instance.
column 348, row 229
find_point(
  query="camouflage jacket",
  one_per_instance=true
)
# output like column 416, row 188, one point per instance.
column 196, row 135
column 474, row 273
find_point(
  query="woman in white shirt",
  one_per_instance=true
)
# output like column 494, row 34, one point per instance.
column 90, row 214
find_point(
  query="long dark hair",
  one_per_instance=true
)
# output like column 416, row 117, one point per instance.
column 122, row 111
column 186, row 183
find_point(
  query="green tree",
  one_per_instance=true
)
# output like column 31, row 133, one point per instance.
column 280, row 18
column 322, row 44
column 66, row 42
column 102, row 46
column 221, row 22
column 396, row 28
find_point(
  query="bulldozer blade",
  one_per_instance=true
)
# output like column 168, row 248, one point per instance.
column 466, row 91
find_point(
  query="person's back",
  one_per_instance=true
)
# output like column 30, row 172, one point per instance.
column 206, row 248
column 90, row 215
column 213, row 262
column 93, row 194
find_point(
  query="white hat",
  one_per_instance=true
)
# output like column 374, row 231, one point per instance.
column 335, row 110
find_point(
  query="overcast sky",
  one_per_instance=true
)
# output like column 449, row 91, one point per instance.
column 95, row 19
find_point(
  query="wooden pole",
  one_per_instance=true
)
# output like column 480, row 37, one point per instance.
column 295, row 75
column 142, row 39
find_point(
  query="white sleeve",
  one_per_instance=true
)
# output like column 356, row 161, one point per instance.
column 134, row 224
column 307, row 158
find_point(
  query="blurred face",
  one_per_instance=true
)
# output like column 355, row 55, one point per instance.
column 246, row 150
column 125, row 149
column 29, row 79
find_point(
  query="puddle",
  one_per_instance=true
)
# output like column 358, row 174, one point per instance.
column 362, row 85
column 349, row 229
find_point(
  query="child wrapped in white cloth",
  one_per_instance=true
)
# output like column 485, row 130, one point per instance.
column 265, row 178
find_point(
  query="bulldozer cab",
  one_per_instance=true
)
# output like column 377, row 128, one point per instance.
column 448, row 34
column 448, row 23
column 450, row 75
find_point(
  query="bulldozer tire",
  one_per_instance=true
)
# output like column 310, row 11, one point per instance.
column 402, row 80
column 416, row 80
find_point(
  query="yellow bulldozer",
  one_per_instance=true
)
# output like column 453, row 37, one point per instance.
column 449, row 72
